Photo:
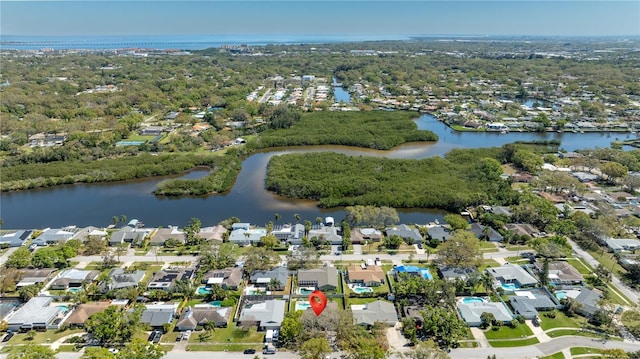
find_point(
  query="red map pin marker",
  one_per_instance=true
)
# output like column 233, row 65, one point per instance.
column 318, row 301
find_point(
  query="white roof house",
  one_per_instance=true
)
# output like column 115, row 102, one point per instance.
column 471, row 312
column 36, row 313
column 268, row 314
column 512, row 273
column 622, row 244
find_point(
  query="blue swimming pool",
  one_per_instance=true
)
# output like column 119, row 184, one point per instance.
column 74, row 290
column 473, row 300
column 510, row 287
column 303, row 305
column 216, row 303
column 560, row 294
column 426, row 274
column 203, row 291
column 362, row 290
column 305, row 291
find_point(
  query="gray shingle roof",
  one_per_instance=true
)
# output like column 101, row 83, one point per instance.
column 378, row 311
column 264, row 277
column 405, row 231
column 322, row 277
column 157, row 315
column 120, row 279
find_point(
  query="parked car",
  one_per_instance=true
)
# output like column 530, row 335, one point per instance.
column 152, row 336
column 249, row 351
column 179, row 338
column 535, row 322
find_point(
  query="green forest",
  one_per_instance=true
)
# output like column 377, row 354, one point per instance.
column 27, row 176
column 462, row 178
column 379, row 130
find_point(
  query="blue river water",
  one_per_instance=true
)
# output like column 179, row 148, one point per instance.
column 96, row 204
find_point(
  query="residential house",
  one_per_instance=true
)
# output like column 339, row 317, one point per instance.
column 193, row 318
column 486, row 233
column 512, row 274
column 325, row 278
column 15, row 239
column 328, row 233
column 586, row 298
column 522, row 229
column 157, row 315
column 128, row 234
column 243, row 234
column 266, row 314
column 379, row 311
column 371, row 276
column 215, row 233
column 35, row 314
column 408, row 234
column 120, row 279
column 617, row 245
column 291, row 234
column 34, row 276
column 439, row 232
column 228, row 278
column 276, row 277
column 361, row 235
column 152, row 130
column 453, row 273
column 471, row 312
column 501, row 210
column 560, row 272
column 528, row 303
column 82, row 312
column 163, row 234
column 73, row 278
column 90, row 232
column 166, row 279
column 412, row 271
column 54, row 236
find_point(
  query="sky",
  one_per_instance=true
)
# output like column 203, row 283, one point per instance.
column 319, row 17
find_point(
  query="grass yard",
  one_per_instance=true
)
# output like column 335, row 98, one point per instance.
column 68, row 348
column 140, row 138
column 49, row 336
column 585, row 350
column 148, row 266
column 488, row 263
column 607, row 260
column 222, row 347
column 557, row 355
column 513, row 343
column 469, row 345
column 231, row 334
column 560, row 321
column 580, row 266
column 352, row 301
column 487, row 247
column 504, row 332
column 631, row 318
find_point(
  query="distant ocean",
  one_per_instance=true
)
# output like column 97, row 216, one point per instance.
column 181, row 42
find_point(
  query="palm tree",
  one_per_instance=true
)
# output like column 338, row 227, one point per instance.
column 274, row 284
column 318, row 220
column 487, row 282
column 114, row 219
column 123, row 219
column 276, row 216
column 296, row 217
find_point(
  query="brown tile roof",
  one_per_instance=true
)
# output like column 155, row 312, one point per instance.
column 368, row 274
column 84, row 311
